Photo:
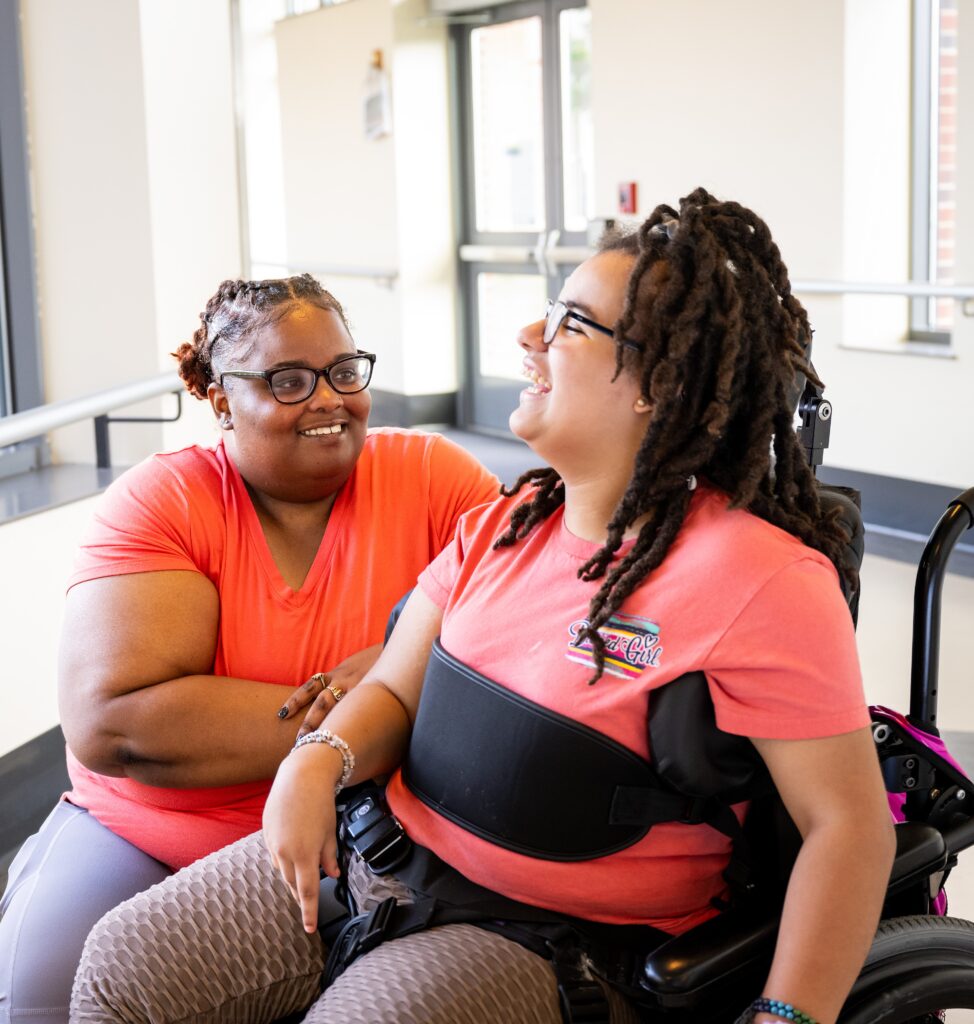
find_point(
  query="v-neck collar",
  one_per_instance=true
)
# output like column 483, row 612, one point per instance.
column 333, row 528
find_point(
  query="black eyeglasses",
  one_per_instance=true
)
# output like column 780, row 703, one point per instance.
column 293, row 384
column 557, row 312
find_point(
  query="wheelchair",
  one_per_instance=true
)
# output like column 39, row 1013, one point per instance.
column 921, row 964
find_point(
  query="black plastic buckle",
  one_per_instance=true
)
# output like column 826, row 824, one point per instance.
column 582, row 1000
column 698, row 810
column 371, row 931
column 375, row 834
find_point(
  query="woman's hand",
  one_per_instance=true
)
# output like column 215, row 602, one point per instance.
column 318, row 695
column 299, row 824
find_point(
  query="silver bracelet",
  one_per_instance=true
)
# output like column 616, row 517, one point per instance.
column 348, row 758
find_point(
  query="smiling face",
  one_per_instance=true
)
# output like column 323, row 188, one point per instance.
column 574, row 415
column 305, row 451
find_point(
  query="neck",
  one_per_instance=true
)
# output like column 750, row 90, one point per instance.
column 291, row 514
column 590, row 503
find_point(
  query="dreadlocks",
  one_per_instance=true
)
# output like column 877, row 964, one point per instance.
column 234, row 312
column 710, row 297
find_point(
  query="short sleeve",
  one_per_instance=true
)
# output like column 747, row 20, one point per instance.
column 457, row 484
column 141, row 524
column 438, row 578
column 787, row 666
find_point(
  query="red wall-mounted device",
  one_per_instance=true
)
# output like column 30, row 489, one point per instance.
column 627, row 197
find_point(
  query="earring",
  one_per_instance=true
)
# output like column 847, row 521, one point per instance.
column 225, row 423
column 642, row 403
column 691, row 482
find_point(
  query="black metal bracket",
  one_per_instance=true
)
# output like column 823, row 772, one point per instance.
column 816, row 423
column 103, row 451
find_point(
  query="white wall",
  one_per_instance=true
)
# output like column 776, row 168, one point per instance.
column 193, row 205
column 877, row 134
column 36, row 554
column 133, row 165
column 89, row 168
column 382, row 204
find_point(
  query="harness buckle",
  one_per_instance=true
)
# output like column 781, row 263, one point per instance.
column 582, row 999
column 374, row 833
column 698, row 810
column 372, row 930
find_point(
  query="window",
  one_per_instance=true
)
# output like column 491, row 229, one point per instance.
column 934, row 162
column 524, row 84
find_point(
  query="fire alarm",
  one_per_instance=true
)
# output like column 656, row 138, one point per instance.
column 627, row 197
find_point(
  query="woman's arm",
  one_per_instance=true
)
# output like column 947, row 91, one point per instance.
column 136, row 693
column 833, row 791
column 375, row 721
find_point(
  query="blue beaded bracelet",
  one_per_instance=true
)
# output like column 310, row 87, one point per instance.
column 784, row 1010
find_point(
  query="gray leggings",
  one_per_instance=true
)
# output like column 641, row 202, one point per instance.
column 221, row 941
column 65, row 877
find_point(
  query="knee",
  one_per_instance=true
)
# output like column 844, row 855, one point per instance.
column 107, row 983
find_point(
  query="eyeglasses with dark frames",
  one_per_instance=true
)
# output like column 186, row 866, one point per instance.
column 292, row 384
column 556, row 312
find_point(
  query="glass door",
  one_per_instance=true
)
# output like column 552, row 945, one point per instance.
column 526, row 182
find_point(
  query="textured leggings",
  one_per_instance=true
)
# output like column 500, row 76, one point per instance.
column 222, row 941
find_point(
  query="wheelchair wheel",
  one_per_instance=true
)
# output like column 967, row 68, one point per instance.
column 918, row 969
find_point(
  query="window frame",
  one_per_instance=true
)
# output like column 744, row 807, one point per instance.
column 21, row 379
column 925, row 157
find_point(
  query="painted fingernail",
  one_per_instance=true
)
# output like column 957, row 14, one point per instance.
column 283, row 712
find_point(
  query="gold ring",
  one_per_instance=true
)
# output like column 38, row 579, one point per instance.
column 336, row 691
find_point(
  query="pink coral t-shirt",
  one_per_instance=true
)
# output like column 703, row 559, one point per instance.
column 757, row 611
column 190, row 510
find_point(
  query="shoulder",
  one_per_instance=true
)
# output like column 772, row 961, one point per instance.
column 486, row 523
column 737, row 544
column 427, row 458
column 191, row 468
column 406, row 443
column 177, row 479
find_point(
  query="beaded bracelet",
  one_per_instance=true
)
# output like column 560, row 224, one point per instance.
column 784, row 1010
column 348, row 758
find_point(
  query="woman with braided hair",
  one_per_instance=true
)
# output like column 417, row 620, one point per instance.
column 676, row 534
column 273, row 557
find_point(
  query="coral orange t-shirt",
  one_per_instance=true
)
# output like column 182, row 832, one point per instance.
column 757, row 611
column 190, row 510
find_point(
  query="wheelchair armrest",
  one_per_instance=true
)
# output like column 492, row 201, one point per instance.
column 693, row 966
column 920, row 851
column 699, row 964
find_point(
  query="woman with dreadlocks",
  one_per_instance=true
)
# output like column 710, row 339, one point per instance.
column 677, row 532
column 273, row 557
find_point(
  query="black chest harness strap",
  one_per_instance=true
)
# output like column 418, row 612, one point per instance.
column 533, row 781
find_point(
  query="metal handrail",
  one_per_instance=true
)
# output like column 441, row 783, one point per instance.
column 23, row 425
column 567, row 254
column 908, row 288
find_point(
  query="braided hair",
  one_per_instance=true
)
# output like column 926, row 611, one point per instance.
column 710, row 297
column 234, row 313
